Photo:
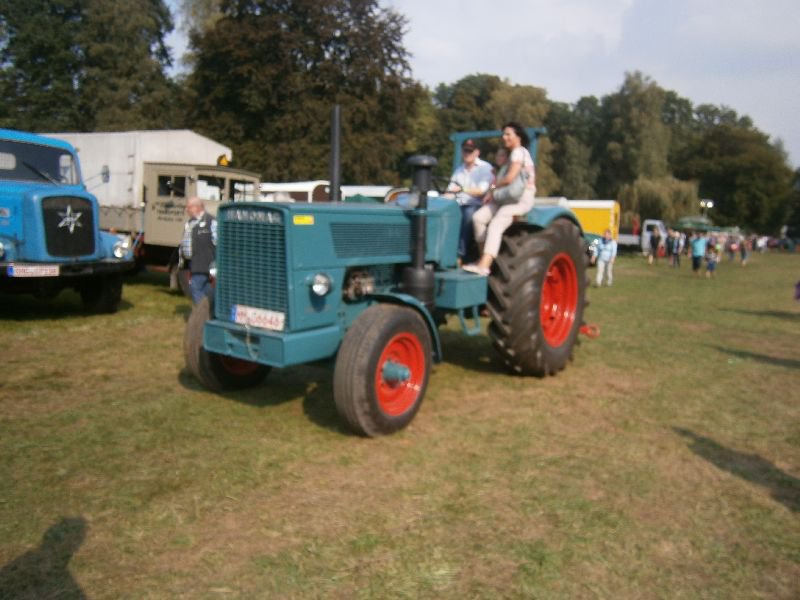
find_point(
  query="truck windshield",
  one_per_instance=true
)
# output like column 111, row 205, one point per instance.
column 210, row 187
column 241, row 189
column 21, row 161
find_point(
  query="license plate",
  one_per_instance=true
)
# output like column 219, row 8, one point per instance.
column 32, row 271
column 257, row 317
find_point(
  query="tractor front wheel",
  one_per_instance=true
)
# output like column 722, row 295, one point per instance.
column 215, row 371
column 382, row 369
column 537, row 294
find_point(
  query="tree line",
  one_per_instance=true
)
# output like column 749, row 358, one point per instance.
column 263, row 75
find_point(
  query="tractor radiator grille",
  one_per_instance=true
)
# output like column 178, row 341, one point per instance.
column 370, row 239
column 251, row 260
column 68, row 226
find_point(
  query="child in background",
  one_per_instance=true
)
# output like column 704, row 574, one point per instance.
column 712, row 258
column 501, row 159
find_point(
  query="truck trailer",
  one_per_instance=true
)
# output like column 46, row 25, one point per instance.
column 142, row 180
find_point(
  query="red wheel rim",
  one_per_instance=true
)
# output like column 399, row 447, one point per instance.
column 396, row 397
column 237, row 366
column 559, row 300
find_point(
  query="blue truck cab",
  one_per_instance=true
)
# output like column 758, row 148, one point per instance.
column 49, row 234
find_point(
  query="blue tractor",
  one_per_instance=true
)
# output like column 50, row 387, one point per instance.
column 368, row 285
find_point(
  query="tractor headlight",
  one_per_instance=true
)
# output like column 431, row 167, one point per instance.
column 122, row 247
column 321, row 284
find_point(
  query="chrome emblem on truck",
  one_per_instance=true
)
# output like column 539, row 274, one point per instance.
column 70, row 219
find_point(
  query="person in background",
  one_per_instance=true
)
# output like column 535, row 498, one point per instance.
column 731, row 247
column 745, row 246
column 698, row 246
column 655, row 244
column 501, row 164
column 198, row 248
column 677, row 248
column 492, row 220
column 712, row 258
column 606, row 254
column 669, row 244
column 469, row 182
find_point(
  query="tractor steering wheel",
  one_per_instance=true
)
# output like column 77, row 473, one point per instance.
column 442, row 185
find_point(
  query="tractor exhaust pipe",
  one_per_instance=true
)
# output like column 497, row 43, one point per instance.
column 336, row 154
column 417, row 280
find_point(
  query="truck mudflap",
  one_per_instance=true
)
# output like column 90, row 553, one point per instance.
column 26, row 270
column 271, row 348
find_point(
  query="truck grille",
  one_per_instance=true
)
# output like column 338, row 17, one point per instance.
column 68, row 226
column 251, row 260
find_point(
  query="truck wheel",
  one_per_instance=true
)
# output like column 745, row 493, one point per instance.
column 215, row 371
column 537, row 293
column 382, row 369
column 102, row 294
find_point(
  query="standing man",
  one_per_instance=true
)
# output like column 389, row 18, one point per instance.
column 198, row 247
column 606, row 254
column 472, row 180
column 698, row 245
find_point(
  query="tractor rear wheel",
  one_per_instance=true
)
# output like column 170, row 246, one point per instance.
column 382, row 369
column 215, row 371
column 537, row 294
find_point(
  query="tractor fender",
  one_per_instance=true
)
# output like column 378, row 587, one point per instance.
column 418, row 306
column 543, row 216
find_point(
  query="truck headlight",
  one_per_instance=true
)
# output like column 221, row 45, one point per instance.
column 321, row 284
column 122, row 247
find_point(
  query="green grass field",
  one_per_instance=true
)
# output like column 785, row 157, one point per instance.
column 664, row 462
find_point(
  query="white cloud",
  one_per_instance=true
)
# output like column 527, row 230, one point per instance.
column 743, row 22
column 742, row 54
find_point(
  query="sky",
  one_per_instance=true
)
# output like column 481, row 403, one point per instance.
column 745, row 55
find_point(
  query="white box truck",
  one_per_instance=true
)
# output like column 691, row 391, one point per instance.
column 142, row 180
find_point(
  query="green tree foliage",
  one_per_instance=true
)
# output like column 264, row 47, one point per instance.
column 200, row 15
column 267, row 74
column 85, row 64
column 40, row 64
column 636, row 139
column 745, row 175
column 460, row 106
column 579, row 174
column 679, row 116
column 571, row 131
column 666, row 198
column 464, row 105
column 124, row 83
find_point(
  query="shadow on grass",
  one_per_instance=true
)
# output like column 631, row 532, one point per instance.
column 789, row 363
column 24, row 307
column 312, row 384
column 776, row 314
column 783, row 487
column 147, row 277
column 183, row 310
column 472, row 352
column 43, row 572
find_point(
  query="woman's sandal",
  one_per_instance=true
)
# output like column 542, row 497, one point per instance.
column 477, row 269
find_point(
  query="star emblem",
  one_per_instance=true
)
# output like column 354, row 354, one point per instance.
column 70, row 219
